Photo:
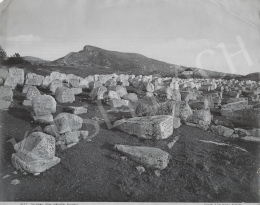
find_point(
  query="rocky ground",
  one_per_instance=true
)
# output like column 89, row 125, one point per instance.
column 198, row 171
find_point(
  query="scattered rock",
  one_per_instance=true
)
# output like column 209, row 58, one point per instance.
column 17, row 74
column 78, row 110
column 15, row 182
column 64, row 95
column 34, row 79
column 140, row 169
column 201, row 117
column 32, row 92
column 43, row 105
column 6, row 176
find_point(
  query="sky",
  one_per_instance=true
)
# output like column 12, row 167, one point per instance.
column 193, row 33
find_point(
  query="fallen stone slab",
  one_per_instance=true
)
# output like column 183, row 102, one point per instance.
column 78, row 110
column 150, row 127
column 43, row 105
column 64, row 95
column 48, row 118
column 219, row 120
column 240, row 99
column 165, row 108
column 203, row 127
column 66, row 122
column 149, row 157
column 221, row 130
column 243, row 115
column 118, row 102
column 251, row 139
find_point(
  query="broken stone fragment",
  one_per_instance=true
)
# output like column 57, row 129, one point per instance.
column 149, row 157
column 201, row 117
column 203, row 127
column 43, row 105
column 51, row 130
column 54, row 85
column 176, row 122
column 64, row 95
column 48, row 118
column 151, row 127
column 78, row 110
column 222, row 131
column 66, row 122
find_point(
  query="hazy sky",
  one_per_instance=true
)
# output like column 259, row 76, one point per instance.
column 174, row 31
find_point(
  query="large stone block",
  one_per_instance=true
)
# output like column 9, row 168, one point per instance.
column 43, row 105
column 64, row 95
column 98, row 93
column 3, row 73
column 183, row 110
column 151, row 127
column 66, row 122
column 18, row 74
column 46, row 82
column 131, row 96
column 4, row 104
column 10, row 82
column 149, row 157
column 118, row 102
column 34, row 79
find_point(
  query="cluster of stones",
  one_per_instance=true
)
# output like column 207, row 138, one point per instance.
column 189, row 101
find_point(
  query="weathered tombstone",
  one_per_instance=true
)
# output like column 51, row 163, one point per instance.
column 74, row 83
column 94, row 84
column 150, row 157
column 76, row 91
column 6, row 93
column 35, row 154
column 121, row 90
column 46, row 82
column 18, row 74
column 3, row 73
column 34, row 79
column 10, row 82
column 150, row 127
column 98, row 93
column 64, row 95
column 182, row 110
column 66, row 122
column 54, row 85
column 149, row 87
column 43, row 105
column 32, row 93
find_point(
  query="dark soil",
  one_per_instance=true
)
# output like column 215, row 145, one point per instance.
column 93, row 171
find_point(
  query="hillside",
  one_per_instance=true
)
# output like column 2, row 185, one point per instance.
column 34, row 60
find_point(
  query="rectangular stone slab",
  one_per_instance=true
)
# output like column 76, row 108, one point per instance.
column 151, row 127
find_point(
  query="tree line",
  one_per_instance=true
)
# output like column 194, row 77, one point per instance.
column 11, row 60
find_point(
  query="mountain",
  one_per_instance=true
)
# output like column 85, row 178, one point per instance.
column 99, row 58
column 34, row 60
column 252, row 76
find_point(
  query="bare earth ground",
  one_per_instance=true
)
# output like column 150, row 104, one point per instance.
column 93, row 171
